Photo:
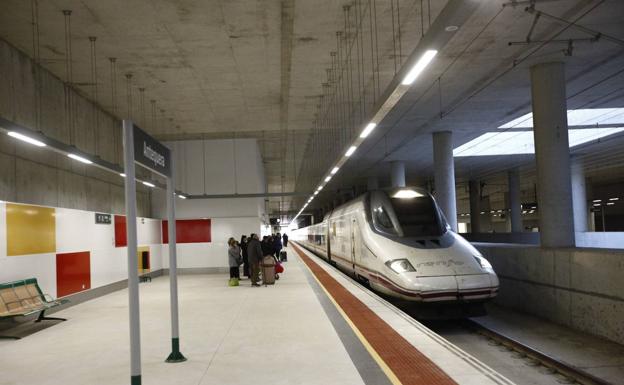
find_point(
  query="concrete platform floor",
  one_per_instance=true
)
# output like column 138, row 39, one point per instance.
column 231, row 335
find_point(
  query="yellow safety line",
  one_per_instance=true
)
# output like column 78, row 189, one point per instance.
column 386, row 369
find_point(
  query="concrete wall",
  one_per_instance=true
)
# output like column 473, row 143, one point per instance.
column 580, row 288
column 39, row 176
column 227, row 166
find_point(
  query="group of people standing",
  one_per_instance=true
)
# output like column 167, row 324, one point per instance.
column 250, row 252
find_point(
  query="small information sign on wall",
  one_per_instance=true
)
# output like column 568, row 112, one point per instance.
column 102, row 219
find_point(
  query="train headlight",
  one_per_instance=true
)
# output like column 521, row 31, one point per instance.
column 400, row 265
column 485, row 265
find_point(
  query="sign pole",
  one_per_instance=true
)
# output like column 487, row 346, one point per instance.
column 133, row 268
column 176, row 355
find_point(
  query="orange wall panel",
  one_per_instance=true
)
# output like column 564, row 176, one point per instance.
column 30, row 229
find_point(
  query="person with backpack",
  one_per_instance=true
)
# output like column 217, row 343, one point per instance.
column 234, row 261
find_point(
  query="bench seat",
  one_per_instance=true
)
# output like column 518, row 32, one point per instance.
column 23, row 298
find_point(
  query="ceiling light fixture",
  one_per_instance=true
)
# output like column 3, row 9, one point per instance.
column 334, row 170
column 26, row 139
column 614, row 199
column 419, row 67
column 148, row 184
column 350, row 151
column 121, row 174
column 407, row 194
column 181, row 196
column 79, row 158
column 369, row 128
column 328, row 179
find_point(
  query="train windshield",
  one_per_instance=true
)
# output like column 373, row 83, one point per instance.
column 413, row 216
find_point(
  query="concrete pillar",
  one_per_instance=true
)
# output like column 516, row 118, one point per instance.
column 444, row 175
column 372, row 183
column 474, row 187
column 515, row 204
column 552, row 154
column 579, row 197
column 397, row 174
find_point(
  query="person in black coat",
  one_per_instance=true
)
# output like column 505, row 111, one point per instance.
column 243, row 246
column 285, row 239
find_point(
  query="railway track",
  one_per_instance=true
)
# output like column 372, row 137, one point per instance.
column 570, row 373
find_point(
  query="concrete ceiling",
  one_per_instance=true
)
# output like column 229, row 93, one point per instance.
column 255, row 68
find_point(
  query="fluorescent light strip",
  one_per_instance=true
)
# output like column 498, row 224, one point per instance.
column 181, row 196
column 521, row 142
column 121, row 174
column 420, row 65
column 369, row 128
column 79, row 158
column 26, row 139
column 350, row 151
column 334, row 170
column 327, row 179
column 148, row 184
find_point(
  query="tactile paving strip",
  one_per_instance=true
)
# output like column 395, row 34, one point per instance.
column 408, row 364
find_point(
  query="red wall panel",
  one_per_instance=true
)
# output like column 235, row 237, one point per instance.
column 73, row 273
column 121, row 239
column 189, row 231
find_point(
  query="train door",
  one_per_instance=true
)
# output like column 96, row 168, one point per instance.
column 328, row 233
column 355, row 242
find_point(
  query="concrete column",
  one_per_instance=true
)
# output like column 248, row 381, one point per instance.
column 579, row 197
column 552, row 154
column 397, row 174
column 372, row 183
column 474, row 187
column 444, row 175
column 515, row 204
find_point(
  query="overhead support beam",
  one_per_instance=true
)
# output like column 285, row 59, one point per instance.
column 444, row 175
column 515, row 203
column 579, row 197
column 398, row 174
column 254, row 195
column 474, row 187
column 552, row 154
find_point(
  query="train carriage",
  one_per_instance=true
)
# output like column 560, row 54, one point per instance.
column 400, row 243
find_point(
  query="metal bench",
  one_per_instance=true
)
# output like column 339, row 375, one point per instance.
column 23, row 298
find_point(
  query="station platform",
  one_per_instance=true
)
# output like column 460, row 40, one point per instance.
column 315, row 326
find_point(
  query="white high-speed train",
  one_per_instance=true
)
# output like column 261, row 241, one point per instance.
column 400, row 243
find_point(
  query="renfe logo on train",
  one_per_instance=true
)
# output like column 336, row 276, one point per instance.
column 150, row 153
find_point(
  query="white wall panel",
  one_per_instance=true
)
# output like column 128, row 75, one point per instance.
column 193, row 155
column 76, row 231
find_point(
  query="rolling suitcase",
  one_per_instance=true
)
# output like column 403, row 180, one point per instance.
column 283, row 256
column 268, row 270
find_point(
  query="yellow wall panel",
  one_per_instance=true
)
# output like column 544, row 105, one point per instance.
column 140, row 250
column 30, row 229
